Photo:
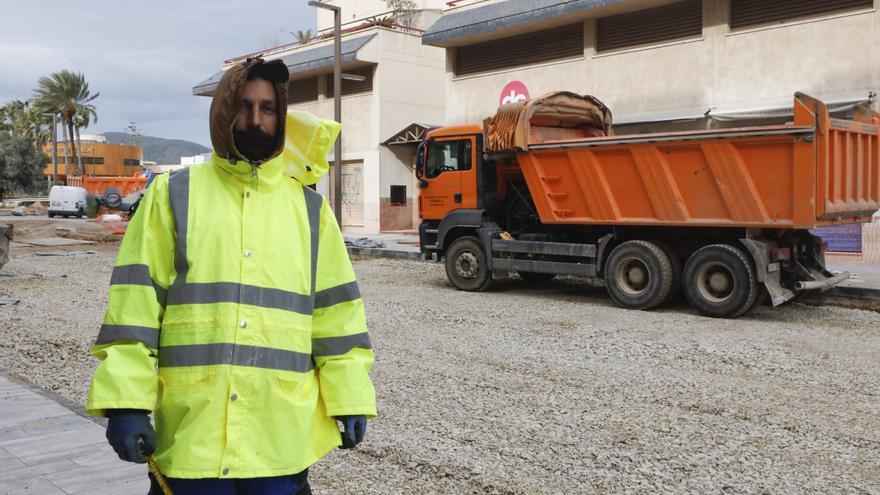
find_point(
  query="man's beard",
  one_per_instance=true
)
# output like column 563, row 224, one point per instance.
column 254, row 144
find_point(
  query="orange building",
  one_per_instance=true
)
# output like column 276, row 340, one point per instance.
column 98, row 158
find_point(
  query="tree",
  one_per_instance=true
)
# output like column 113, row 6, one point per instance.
column 22, row 119
column 303, row 37
column 67, row 93
column 404, row 11
column 21, row 166
column 132, row 134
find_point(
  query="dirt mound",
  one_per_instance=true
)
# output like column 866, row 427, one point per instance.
column 85, row 230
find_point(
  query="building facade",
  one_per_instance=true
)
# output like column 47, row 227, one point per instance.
column 657, row 64
column 98, row 158
column 402, row 83
column 662, row 64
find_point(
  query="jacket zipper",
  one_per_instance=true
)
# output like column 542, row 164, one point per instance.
column 254, row 179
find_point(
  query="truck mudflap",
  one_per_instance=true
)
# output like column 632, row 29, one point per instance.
column 796, row 267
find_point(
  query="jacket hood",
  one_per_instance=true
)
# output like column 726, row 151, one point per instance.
column 226, row 105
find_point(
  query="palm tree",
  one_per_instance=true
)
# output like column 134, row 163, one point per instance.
column 67, row 93
column 22, row 119
column 303, row 37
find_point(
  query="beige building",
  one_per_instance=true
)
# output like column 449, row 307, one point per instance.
column 662, row 64
column 657, row 64
column 403, row 82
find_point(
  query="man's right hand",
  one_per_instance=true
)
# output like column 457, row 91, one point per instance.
column 125, row 428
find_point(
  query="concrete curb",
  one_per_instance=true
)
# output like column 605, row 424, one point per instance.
column 385, row 253
column 855, row 292
column 53, row 396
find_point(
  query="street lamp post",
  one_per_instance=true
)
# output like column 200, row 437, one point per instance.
column 337, row 104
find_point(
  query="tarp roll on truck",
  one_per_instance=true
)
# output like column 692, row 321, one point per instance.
column 545, row 187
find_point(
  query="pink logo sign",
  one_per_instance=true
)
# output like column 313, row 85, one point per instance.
column 514, row 92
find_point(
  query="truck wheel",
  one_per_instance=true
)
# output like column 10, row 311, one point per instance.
column 720, row 281
column 112, row 198
column 638, row 275
column 675, row 260
column 536, row 277
column 466, row 265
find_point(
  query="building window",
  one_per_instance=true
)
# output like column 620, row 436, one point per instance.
column 86, row 160
column 670, row 22
column 398, row 195
column 525, row 49
column 302, row 90
column 447, row 156
column 745, row 13
column 353, row 87
column 131, row 163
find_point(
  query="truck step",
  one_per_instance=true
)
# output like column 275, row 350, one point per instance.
column 430, row 247
column 584, row 270
column 431, row 231
column 541, row 247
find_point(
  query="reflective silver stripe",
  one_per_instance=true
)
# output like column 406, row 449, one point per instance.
column 238, row 355
column 335, row 346
column 178, row 195
column 314, row 202
column 111, row 333
column 339, row 294
column 137, row 275
column 182, row 292
column 216, row 292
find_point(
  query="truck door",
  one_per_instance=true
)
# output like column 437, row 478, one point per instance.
column 448, row 177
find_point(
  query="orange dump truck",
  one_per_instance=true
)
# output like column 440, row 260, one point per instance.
column 544, row 188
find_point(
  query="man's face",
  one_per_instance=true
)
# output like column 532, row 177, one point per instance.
column 258, row 107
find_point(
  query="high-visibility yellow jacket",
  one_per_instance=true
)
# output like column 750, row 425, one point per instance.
column 234, row 281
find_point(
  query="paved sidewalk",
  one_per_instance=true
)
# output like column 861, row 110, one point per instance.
column 48, row 449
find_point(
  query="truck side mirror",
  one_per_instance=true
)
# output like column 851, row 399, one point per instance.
column 420, row 161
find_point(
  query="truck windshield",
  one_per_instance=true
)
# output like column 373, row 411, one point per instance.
column 446, row 156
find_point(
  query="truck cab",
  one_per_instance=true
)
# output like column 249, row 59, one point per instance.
column 447, row 168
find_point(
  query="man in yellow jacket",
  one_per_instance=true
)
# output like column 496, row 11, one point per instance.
column 234, row 313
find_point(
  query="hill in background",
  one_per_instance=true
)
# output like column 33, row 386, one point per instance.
column 160, row 150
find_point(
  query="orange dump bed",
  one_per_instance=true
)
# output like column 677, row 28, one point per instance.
column 100, row 184
column 818, row 171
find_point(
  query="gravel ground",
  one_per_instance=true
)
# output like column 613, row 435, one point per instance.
column 547, row 388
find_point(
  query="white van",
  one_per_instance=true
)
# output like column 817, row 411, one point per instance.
column 67, row 201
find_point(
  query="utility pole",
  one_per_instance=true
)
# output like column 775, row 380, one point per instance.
column 337, row 104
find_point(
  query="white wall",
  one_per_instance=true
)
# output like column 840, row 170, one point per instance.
column 353, row 10
column 833, row 55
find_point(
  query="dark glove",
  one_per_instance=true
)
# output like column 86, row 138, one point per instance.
column 126, row 429
column 354, row 429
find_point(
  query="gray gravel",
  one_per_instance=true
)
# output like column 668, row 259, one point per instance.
column 546, row 388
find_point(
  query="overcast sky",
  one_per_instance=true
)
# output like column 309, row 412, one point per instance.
column 143, row 57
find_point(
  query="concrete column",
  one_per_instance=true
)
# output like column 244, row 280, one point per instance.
column 589, row 52
column 716, row 26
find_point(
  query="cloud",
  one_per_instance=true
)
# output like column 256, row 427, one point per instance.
column 143, row 57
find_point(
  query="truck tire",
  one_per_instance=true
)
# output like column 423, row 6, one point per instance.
column 536, row 277
column 466, row 265
column 638, row 275
column 719, row 281
column 112, row 198
column 675, row 260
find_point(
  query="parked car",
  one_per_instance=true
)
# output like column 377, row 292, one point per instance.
column 67, row 201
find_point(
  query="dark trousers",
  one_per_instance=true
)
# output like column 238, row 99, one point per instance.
column 297, row 484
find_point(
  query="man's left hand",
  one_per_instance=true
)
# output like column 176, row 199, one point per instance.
column 354, row 429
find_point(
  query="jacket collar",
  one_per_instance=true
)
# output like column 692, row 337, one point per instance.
column 264, row 176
